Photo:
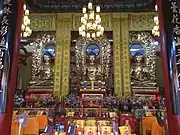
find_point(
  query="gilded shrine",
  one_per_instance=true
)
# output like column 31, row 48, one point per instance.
column 63, row 23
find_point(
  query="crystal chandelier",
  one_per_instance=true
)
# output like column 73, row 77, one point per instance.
column 91, row 23
column 25, row 29
column 155, row 30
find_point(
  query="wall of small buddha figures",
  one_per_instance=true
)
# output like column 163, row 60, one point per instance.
column 119, row 23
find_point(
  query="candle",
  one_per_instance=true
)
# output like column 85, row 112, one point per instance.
column 156, row 28
column 83, row 34
column 155, row 18
column 88, row 35
column 24, row 7
column 93, row 35
column 82, row 19
column 90, row 5
column 86, row 16
column 98, row 34
column 88, row 25
column 84, row 10
column 102, row 29
column 26, row 12
column 98, row 9
column 83, row 27
column 91, row 16
column 156, row 7
column 94, row 25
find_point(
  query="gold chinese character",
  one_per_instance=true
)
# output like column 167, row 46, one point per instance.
column 2, row 43
column 7, row 10
column 7, row 2
column 178, row 51
column 3, row 30
column 4, row 21
column 174, row 7
column 177, row 41
column 178, row 62
column 175, row 19
column 176, row 30
column 1, row 63
column 1, row 53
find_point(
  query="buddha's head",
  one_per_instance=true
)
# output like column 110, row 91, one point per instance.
column 138, row 58
column 47, row 58
column 92, row 59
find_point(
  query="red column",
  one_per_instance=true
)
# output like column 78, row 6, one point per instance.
column 10, row 23
column 170, row 67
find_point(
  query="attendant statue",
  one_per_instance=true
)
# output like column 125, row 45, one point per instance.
column 46, row 74
column 140, row 73
column 47, row 68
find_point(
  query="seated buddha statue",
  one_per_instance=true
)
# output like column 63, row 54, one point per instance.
column 93, row 74
column 140, row 73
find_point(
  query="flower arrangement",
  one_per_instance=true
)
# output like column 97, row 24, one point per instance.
column 19, row 99
column 110, row 102
column 72, row 100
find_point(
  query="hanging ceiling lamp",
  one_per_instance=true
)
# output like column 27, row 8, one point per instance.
column 91, row 23
column 25, row 29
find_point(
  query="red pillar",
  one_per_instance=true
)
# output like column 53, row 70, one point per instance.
column 10, row 23
column 169, row 61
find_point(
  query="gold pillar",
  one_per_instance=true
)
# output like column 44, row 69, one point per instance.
column 125, row 54
column 58, row 60
column 117, row 54
column 66, row 43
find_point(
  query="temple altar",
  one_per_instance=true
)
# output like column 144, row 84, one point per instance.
column 97, row 76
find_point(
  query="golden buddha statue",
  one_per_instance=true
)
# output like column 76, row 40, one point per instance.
column 93, row 75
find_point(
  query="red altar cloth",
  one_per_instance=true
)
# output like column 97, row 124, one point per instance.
column 124, row 118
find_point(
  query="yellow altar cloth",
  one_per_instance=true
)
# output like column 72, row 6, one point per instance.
column 147, row 124
column 90, row 130
column 90, row 122
column 157, row 129
column 106, row 130
column 80, row 123
column 125, row 130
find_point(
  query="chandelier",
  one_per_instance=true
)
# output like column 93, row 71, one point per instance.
column 91, row 22
column 155, row 30
column 25, row 29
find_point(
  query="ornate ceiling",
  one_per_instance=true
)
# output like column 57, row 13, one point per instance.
column 76, row 5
